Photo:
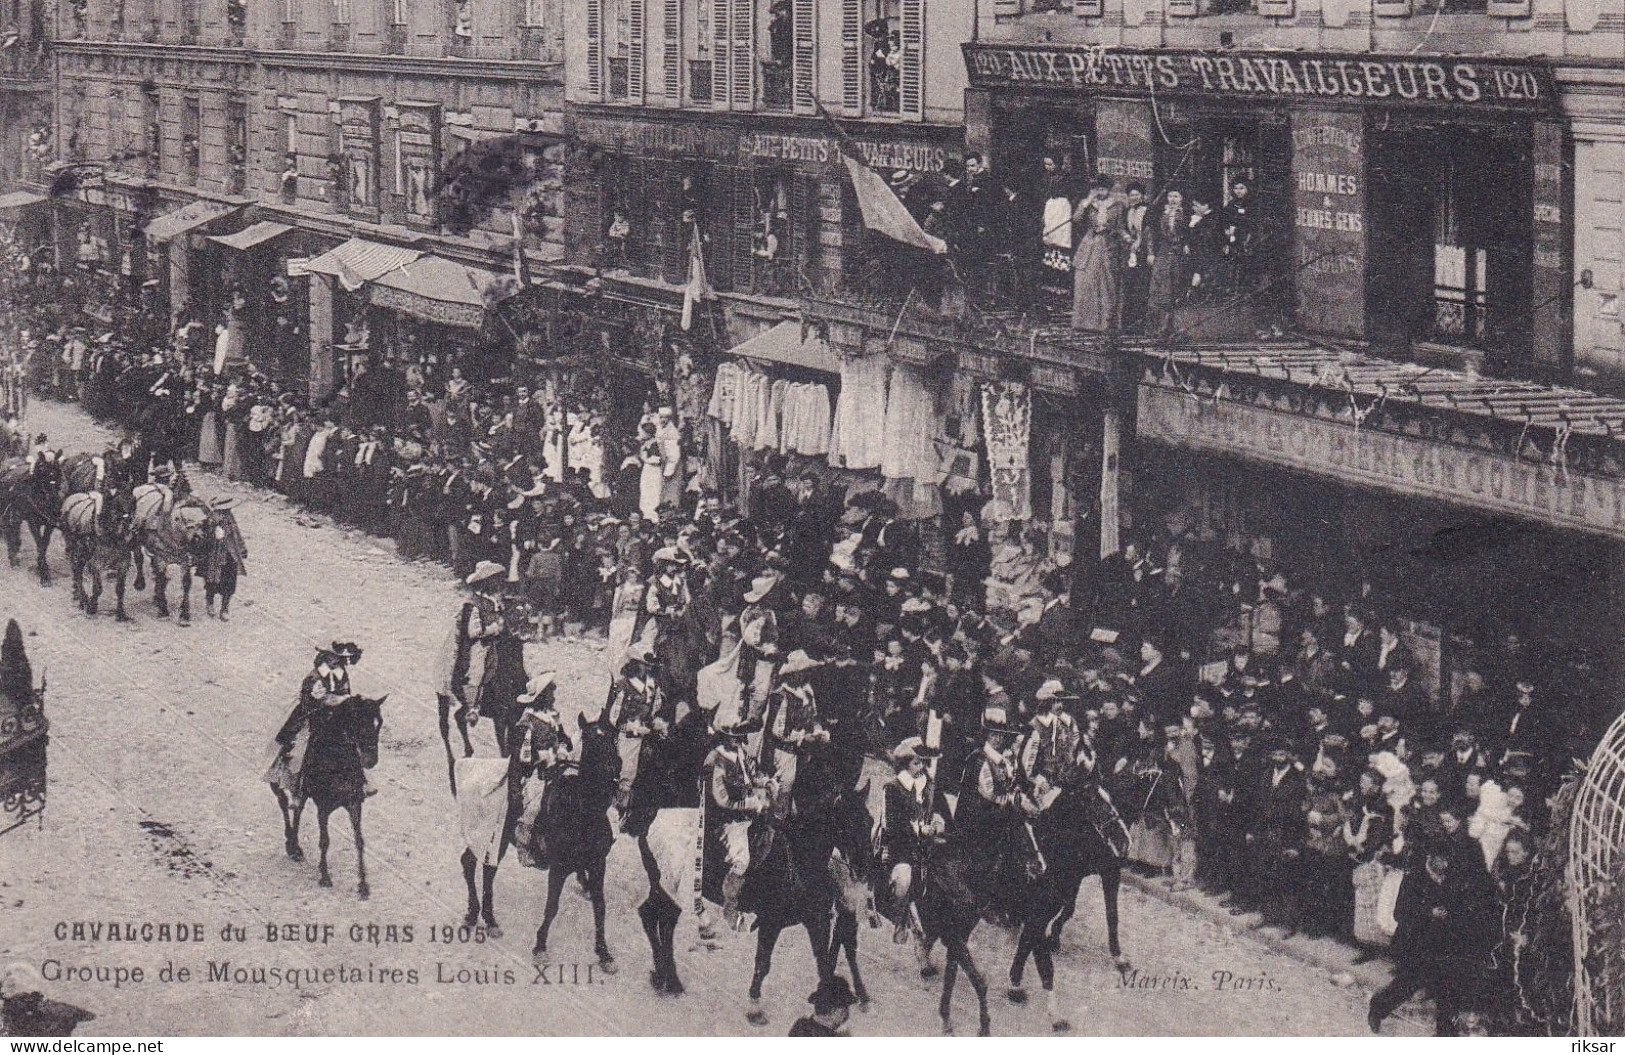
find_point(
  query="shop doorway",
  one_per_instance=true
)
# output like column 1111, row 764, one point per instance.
column 1450, row 229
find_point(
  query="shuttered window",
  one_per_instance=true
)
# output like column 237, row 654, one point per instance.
column 671, row 50
column 852, row 58
column 805, row 55
column 637, row 27
column 742, row 63
column 911, row 83
column 595, row 50
column 1088, row 8
column 722, row 53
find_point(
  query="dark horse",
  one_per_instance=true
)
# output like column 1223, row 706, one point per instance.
column 98, row 530
column 1073, row 848
column 574, row 822
column 809, row 866
column 30, row 495
column 343, row 745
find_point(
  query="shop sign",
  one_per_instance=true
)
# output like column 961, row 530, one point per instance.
column 1550, row 284
column 1056, row 380
column 1371, row 458
column 648, row 137
column 1385, row 80
column 978, row 363
column 467, row 316
column 823, row 150
column 1328, row 210
column 1124, row 144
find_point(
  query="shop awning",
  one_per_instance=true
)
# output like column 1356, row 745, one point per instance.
column 252, row 235
column 358, row 261
column 20, row 199
column 783, row 345
column 188, row 217
column 443, row 291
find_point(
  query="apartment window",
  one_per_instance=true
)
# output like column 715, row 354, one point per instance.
column 191, row 137
column 237, row 146
column 700, row 70
column 535, row 13
column 778, row 62
column 289, row 11
column 618, row 23
column 341, row 12
column 883, row 38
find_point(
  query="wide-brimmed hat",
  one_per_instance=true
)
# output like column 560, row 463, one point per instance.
column 798, row 662
column 1053, row 689
column 537, row 686
column 348, row 651
column 484, row 570
column 219, row 505
column 997, row 720
column 669, row 555
column 832, row 994
column 912, row 748
column 760, row 587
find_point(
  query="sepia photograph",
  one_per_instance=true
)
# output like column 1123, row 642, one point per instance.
column 811, row 518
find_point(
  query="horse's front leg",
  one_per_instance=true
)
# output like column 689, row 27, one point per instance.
column 362, row 889
column 490, row 912
column 118, row 588
column 160, row 587
column 471, row 918
column 140, row 568
column 961, row 951
column 555, row 886
column 94, row 602
column 42, row 548
column 767, row 936
column 325, row 879
column 846, row 937
column 1109, row 882
column 290, row 824
column 595, row 890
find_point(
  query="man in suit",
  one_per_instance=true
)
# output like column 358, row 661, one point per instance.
column 1440, row 944
column 1277, row 835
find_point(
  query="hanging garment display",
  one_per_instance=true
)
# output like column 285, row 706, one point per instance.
column 804, row 419
column 1007, row 416
column 910, row 429
column 724, row 393
column 858, row 437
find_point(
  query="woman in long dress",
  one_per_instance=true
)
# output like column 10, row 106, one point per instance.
column 1101, row 224
column 1056, row 236
column 623, row 616
column 652, row 479
column 211, row 433
column 236, row 417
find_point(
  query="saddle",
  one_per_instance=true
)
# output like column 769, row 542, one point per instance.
column 82, row 512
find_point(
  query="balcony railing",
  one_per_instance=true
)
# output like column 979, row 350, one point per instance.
column 395, row 39
column 619, row 82
column 536, row 45
column 287, row 37
column 338, row 37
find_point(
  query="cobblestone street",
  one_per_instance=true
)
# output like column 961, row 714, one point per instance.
column 157, row 813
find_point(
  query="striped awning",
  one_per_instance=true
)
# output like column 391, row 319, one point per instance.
column 20, row 199
column 252, row 235
column 188, row 217
column 443, row 291
column 358, row 261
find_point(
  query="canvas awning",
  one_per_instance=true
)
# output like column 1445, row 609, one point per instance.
column 20, row 199
column 188, row 217
column 444, row 291
column 252, row 235
column 358, row 261
column 783, row 345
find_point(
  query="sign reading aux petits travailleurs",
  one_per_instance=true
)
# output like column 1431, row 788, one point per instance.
column 1286, row 76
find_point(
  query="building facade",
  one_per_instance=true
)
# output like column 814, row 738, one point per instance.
column 209, row 143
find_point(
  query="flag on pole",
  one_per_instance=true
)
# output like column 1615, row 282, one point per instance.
column 698, row 287
column 883, row 211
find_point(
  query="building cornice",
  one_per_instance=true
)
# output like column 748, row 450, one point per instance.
column 551, row 73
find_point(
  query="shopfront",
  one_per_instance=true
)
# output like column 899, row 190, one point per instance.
column 273, row 320
column 1414, row 202
column 1463, row 534
column 99, row 241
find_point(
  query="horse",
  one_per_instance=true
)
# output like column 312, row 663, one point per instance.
column 30, row 494
column 171, row 530
column 98, row 531
column 343, row 745
column 1072, row 848
column 810, row 863
column 574, row 822
column 663, row 816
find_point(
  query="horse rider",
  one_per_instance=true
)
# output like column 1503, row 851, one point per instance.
column 479, row 623
column 327, row 685
column 739, row 793
column 1051, row 748
column 792, row 720
column 989, row 815
column 668, row 598
column 540, row 745
column 912, row 822
column 638, row 706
